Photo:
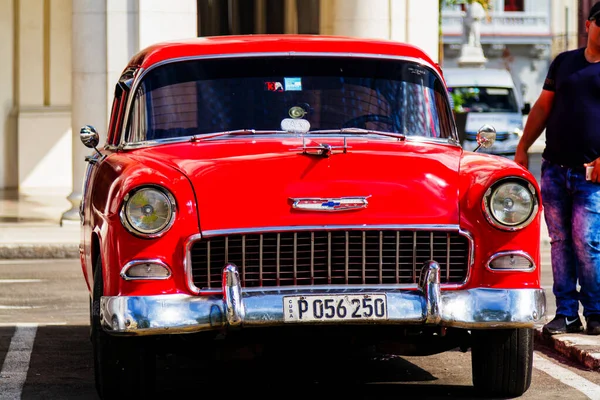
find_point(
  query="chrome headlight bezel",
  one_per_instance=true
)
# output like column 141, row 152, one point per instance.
column 172, row 206
column 493, row 190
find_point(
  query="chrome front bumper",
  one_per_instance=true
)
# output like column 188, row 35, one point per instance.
column 170, row 314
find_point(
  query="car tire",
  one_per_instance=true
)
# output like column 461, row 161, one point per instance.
column 123, row 366
column 502, row 361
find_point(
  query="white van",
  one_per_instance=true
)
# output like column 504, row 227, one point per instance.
column 487, row 96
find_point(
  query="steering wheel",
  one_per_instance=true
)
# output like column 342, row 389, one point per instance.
column 361, row 121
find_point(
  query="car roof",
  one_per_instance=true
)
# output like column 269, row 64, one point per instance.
column 478, row 77
column 284, row 43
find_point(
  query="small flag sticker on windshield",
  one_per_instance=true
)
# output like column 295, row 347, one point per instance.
column 273, row 87
column 292, row 84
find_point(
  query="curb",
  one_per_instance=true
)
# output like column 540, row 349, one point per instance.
column 579, row 348
column 39, row 251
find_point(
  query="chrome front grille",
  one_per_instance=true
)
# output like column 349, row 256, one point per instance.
column 349, row 257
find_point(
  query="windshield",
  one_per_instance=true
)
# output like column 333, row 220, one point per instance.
column 483, row 99
column 199, row 97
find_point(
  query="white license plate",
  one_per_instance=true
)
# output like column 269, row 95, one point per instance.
column 335, row 307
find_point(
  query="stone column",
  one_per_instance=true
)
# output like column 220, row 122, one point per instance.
column 106, row 34
column 89, row 95
column 8, row 98
column 410, row 21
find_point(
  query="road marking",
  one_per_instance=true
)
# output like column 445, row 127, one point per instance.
column 567, row 377
column 21, row 280
column 19, row 307
column 27, row 261
column 16, row 363
column 11, row 324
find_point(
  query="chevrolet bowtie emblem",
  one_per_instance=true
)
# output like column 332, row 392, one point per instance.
column 330, row 204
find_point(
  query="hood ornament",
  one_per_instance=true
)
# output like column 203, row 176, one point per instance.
column 330, row 204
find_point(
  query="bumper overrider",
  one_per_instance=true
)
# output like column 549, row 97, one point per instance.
column 479, row 308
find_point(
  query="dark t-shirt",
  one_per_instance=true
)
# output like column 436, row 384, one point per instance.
column 573, row 128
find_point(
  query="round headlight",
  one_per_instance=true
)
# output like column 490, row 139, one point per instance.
column 510, row 205
column 148, row 211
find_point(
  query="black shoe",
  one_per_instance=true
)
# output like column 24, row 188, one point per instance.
column 564, row 324
column 593, row 324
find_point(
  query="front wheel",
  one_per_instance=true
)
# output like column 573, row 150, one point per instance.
column 124, row 367
column 502, row 361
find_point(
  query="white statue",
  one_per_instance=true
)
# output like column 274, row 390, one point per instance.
column 472, row 24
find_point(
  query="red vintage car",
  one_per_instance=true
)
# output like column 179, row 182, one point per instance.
column 251, row 183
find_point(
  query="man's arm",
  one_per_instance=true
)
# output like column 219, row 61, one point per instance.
column 536, row 123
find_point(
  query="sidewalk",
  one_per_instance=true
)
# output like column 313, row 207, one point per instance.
column 30, row 229
column 30, row 226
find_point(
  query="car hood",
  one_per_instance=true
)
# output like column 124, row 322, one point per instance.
column 242, row 184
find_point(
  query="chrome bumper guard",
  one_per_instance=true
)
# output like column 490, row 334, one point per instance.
column 479, row 308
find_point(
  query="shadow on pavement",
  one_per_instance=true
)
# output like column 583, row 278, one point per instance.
column 61, row 367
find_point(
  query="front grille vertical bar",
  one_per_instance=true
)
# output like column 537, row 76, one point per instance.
column 347, row 257
column 414, row 257
column 364, row 257
column 447, row 257
column 312, row 258
column 380, row 257
column 278, row 257
column 295, row 258
column 226, row 249
column 329, row 258
column 244, row 261
column 431, row 245
column 208, row 263
column 397, row 257
column 260, row 261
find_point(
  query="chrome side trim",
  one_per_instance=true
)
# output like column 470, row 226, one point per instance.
column 273, row 229
column 519, row 253
column 453, row 138
column 144, row 261
column 187, row 262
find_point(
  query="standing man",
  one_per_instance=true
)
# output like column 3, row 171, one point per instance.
column 569, row 109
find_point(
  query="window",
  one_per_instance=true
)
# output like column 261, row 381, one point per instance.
column 207, row 96
column 513, row 5
column 483, row 99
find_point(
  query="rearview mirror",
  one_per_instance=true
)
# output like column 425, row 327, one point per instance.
column 526, row 108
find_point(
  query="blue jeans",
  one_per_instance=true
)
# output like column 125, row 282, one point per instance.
column 572, row 213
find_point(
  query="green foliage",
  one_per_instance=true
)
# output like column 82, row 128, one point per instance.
column 459, row 97
column 485, row 3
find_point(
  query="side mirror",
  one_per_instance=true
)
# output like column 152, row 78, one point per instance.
column 90, row 138
column 486, row 136
column 526, row 108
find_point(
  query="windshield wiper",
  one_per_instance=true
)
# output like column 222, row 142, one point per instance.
column 358, row 131
column 198, row 138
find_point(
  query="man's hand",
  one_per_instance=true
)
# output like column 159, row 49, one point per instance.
column 521, row 157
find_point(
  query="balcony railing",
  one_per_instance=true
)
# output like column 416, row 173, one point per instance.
column 500, row 23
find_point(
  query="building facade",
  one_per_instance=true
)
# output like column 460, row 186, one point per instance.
column 62, row 59
column 522, row 36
